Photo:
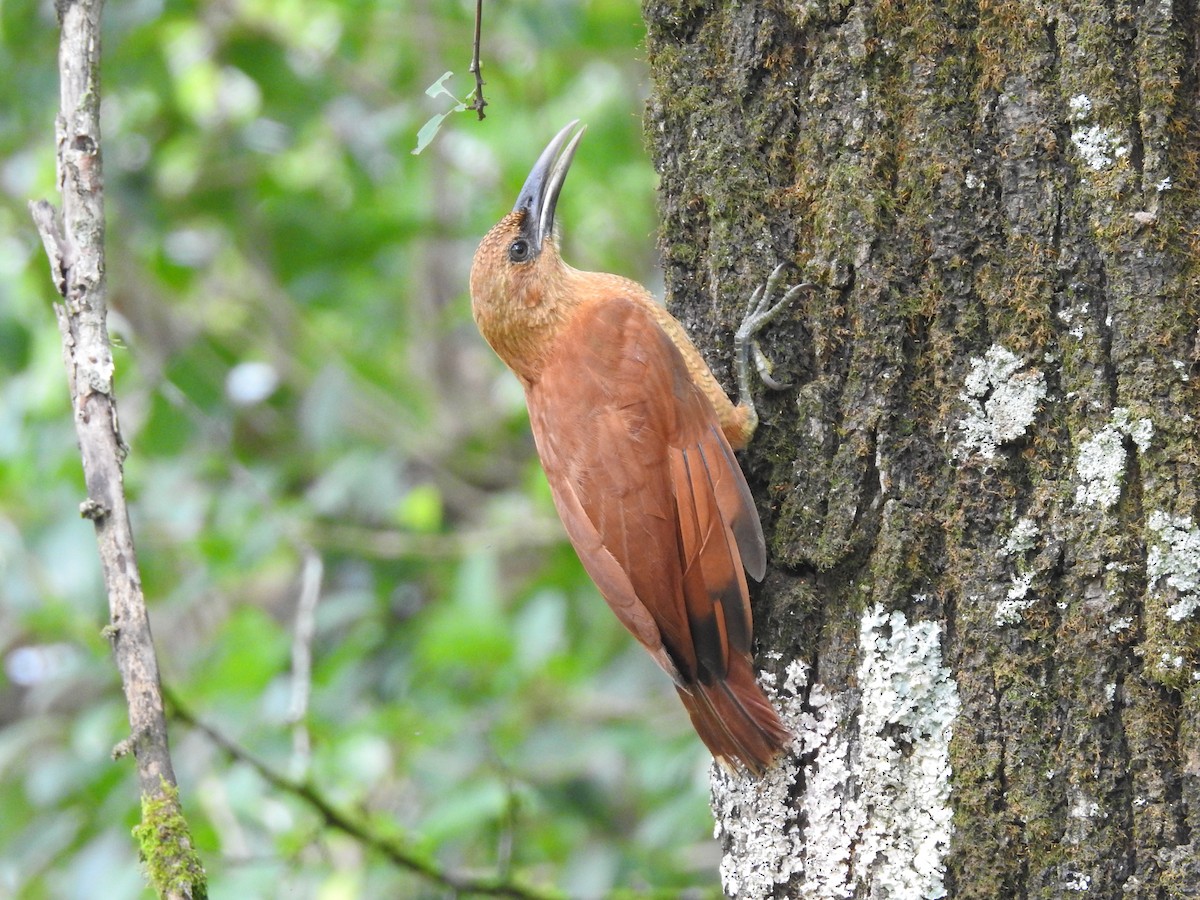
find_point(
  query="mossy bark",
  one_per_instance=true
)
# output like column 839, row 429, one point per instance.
column 994, row 413
column 173, row 867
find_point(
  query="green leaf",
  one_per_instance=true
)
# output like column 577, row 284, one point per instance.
column 429, row 131
column 439, row 87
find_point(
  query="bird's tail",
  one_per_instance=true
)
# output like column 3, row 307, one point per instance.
column 735, row 720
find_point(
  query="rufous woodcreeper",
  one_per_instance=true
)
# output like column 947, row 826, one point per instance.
column 637, row 437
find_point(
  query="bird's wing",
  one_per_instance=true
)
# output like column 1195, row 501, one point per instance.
column 648, row 487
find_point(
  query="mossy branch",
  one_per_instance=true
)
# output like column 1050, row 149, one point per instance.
column 167, row 852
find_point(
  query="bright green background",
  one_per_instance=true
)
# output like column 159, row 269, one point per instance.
column 471, row 693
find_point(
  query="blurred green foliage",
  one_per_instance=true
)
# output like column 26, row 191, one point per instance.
column 309, row 407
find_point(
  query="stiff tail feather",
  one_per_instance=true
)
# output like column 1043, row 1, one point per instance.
column 735, row 719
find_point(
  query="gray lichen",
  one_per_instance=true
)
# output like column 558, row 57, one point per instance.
column 1100, row 468
column 1174, row 561
column 1100, row 465
column 1098, row 147
column 1002, row 401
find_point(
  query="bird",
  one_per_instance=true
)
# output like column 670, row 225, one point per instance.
column 637, row 439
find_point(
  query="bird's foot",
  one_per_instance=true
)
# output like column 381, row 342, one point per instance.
column 763, row 310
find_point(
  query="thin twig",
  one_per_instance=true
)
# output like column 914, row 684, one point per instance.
column 74, row 243
column 475, row 69
column 389, row 847
column 303, row 631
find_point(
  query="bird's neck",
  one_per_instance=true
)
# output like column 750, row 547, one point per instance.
column 522, row 323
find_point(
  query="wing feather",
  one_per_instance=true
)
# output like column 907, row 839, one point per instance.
column 709, row 566
column 736, row 501
column 642, row 475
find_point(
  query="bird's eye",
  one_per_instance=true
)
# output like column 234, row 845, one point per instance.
column 518, row 250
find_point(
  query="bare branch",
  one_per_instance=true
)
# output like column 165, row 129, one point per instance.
column 362, row 831
column 74, row 244
column 479, row 103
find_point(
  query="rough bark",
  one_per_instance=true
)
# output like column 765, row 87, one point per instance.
column 981, row 490
column 74, row 243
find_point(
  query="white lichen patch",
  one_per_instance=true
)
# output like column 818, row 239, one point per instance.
column 1074, row 318
column 764, row 844
column 1080, row 105
column 1077, row 881
column 1174, row 561
column 1084, row 810
column 1141, row 433
column 1009, row 610
column 829, row 805
column 909, row 703
column 1002, row 401
column 1098, row 147
column 876, row 804
column 877, row 808
column 1100, row 465
column 1022, row 538
column 1116, row 626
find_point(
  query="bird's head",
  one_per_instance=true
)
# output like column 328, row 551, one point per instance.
column 517, row 265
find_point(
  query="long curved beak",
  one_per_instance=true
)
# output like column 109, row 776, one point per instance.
column 539, row 196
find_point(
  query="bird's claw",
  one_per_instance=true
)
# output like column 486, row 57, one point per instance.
column 763, row 309
column 764, row 367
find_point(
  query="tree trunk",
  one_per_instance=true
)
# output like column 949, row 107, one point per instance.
column 980, row 489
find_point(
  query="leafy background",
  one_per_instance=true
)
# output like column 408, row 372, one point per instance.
column 310, row 411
